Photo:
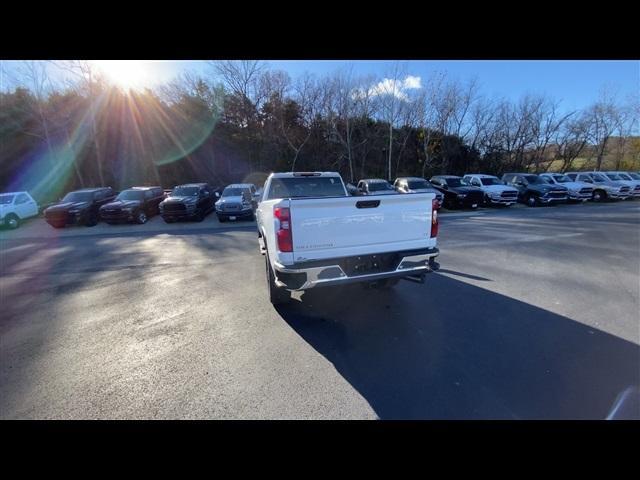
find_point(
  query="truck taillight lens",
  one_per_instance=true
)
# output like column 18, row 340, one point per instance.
column 434, row 218
column 283, row 233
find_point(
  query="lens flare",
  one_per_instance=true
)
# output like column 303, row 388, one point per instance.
column 122, row 138
column 126, row 74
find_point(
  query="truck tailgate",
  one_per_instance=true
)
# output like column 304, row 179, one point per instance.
column 325, row 228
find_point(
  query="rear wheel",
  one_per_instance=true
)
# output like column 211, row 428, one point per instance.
column 222, row 219
column 12, row 221
column 277, row 295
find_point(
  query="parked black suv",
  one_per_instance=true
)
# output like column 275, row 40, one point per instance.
column 534, row 190
column 192, row 201
column 457, row 194
column 80, row 207
column 136, row 204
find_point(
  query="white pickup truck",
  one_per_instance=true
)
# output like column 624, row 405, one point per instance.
column 313, row 234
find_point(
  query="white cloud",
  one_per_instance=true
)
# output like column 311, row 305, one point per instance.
column 397, row 88
column 412, row 82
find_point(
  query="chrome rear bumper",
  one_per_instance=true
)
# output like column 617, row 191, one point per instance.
column 333, row 274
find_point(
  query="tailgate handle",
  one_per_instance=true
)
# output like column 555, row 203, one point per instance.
column 367, row 203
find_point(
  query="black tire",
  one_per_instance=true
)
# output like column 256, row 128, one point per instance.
column 277, row 295
column 531, row 200
column 599, row 196
column 12, row 221
column 57, row 225
column 92, row 221
column 199, row 216
column 487, row 200
column 168, row 220
column 141, row 218
column 251, row 217
column 222, row 219
column 448, row 204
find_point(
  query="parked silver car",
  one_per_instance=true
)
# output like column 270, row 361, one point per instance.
column 603, row 188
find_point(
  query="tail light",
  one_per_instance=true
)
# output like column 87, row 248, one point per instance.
column 434, row 218
column 283, row 233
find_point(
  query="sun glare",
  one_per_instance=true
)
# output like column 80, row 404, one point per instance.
column 126, row 74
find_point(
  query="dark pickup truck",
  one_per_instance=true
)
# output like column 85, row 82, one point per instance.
column 136, row 204
column 533, row 190
column 457, row 193
column 192, row 201
column 80, row 207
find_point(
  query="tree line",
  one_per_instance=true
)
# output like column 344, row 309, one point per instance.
column 242, row 120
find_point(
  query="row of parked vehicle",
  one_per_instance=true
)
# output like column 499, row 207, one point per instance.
column 473, row 190
column 88, row 206
column 194, row 201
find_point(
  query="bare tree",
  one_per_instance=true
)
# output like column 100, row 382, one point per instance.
column 390, row 96
column 605, row 117
column 452, row 104
column 35, row 76
column 342, row 106
column 545, row 121
column 426, row 106
column 306, row 96
column 481, row 126
column 366, row 109
column 88, row 80
column 409, row 117
column 625, row 125
column 241, row 77
column 572, row 139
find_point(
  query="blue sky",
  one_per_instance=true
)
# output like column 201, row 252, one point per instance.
column 576, row 83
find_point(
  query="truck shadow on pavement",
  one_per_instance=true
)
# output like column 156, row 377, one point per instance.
column 450, row 350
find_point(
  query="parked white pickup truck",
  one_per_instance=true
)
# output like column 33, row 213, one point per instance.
column 15, row 207
column 313, row 234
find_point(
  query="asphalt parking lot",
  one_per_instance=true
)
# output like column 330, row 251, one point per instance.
column 533, row 315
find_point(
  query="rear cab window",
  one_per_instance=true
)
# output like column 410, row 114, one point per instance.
column 305, row 187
